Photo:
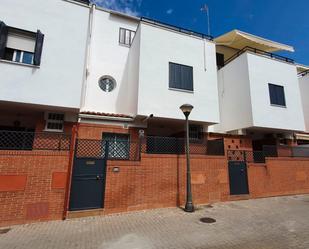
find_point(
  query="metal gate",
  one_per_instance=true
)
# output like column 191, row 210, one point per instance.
column 238, row 178
column 88, row 176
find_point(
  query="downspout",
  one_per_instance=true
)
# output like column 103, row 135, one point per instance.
column 205, row 68
column 88, row 55
column 69, row 173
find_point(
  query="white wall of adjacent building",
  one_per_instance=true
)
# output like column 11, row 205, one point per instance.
column 142, row 71
column 234, row 97
column 108, row 57
column 58, row 80
column 244, row 95
column 263, row 71
column 304, row 90
column 158, row 47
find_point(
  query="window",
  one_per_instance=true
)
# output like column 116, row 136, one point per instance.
column 18, row 56
column 126, row 36
column 196, row 132
column 276, row 94
column 180, row 76
column 54, row 122
column 20, row 45
column 107, row 83
column 118, row 145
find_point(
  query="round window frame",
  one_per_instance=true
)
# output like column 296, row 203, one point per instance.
column 110, row 78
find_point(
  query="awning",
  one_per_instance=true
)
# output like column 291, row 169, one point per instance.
column 302, row 68
column 238, row 39
column 300, row 136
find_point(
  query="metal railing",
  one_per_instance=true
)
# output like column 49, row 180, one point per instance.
column 268, row 151
column 246, row 156
column 116, row 150
column 173, row 145
column 121, row 149
column 303, row 73
column 20, row 140
column 260, row 52
column 176, row 28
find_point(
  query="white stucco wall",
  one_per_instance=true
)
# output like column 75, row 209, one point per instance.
column 158, row 47
column 263, row 71
column 58, row 81
column 108, row 57
column 304, row 91
column 234, row 96
column 244, row 95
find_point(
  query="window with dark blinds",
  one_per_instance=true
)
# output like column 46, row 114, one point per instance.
column 180, row 76
column 276, row 94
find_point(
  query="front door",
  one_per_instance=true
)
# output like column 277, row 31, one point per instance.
column 88, row 183
column 238, row 178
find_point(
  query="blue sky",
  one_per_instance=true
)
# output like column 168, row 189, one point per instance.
column 284, row 21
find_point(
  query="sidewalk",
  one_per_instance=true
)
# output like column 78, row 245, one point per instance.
column 280, row 222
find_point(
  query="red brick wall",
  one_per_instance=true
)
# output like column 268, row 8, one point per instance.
column 94, row 131
column 32, row 186
column 279, row 176
column 159, row 181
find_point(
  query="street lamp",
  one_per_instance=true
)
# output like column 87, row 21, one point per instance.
column 186, row 109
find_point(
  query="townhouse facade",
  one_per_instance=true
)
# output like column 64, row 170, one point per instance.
column 90, row 120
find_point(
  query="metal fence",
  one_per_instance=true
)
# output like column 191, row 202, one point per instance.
column 122, row 149
column 268, row 151
column 177, row 146
column 115, row 150
column 20, row 140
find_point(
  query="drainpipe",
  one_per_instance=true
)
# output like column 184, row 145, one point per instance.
column 87, row 62
column 205, row 68
column 69, row 172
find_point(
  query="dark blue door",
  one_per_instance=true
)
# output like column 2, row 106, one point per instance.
column 238, row 178
column 88, row 184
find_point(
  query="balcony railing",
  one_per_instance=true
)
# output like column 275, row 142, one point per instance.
column 303, row 73
column 176, row 28
column 20, row 140
column 260, row 52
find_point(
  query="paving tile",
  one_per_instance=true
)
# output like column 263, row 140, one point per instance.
column 270, row 223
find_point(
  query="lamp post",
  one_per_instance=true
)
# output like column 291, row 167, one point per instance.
column 189, row 207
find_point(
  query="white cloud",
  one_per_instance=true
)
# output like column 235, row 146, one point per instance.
column 169, row 11
column 128, row 7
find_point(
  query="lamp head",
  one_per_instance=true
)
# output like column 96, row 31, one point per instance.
column 186, row 109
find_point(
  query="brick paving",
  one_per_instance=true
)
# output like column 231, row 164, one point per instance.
column 279, row 222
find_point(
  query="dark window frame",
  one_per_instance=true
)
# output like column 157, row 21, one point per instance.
column 172, row 85
column 195, row 132
column 276, row 98
column 130, row 37
column 115, row 157
column 38, row 38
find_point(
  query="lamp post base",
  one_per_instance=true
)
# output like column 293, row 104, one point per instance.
column 189, row 207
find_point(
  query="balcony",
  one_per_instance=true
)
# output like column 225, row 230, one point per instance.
column 258, row 52
column 245, row 96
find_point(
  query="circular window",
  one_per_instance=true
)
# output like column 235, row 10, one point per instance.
column 107, row 83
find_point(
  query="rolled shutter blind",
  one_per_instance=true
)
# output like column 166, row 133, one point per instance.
column 21, row 42
column 38, row 48
column 3, row 38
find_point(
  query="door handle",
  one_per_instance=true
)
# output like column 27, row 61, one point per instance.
column 98, row 177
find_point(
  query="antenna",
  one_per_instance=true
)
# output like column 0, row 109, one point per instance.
column 205, row 9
